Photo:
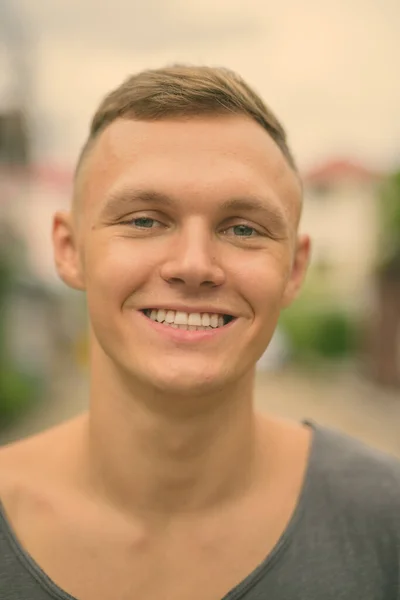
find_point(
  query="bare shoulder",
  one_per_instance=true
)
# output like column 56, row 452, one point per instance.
column 36, row 460
column 44, row 446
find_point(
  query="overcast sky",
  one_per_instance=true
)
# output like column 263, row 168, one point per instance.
column 329, row 69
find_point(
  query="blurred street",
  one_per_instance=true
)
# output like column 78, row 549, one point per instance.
column 340, row 399
column 324, row 92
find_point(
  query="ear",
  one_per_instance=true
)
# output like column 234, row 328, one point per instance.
column 299, row 269
column 66, row 251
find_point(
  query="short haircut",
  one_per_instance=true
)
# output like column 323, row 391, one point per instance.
column 181, row 91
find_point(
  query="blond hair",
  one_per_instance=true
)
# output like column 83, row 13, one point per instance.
column 185, row 91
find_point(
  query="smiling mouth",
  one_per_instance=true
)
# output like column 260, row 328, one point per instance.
column 189, row 321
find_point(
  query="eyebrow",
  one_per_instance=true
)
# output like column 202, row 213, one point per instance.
column 274, row 215
column 124, row 198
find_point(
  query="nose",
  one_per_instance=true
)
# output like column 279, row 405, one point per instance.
column 192, row 260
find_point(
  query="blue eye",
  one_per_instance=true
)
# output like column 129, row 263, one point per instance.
column 143, row 222
column 244, row 231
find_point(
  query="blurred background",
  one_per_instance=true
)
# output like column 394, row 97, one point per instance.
column 330, row 72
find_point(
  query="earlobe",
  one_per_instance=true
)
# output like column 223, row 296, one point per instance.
column 299, row 270
column 66, row 252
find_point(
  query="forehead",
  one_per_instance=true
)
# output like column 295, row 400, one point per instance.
column 198, row 157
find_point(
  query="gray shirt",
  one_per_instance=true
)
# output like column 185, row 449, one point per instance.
column 342, row 543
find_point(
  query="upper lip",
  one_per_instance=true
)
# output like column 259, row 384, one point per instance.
column 191, row 309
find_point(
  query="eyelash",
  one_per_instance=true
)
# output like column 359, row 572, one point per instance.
column 132, row 221
column 256, row 233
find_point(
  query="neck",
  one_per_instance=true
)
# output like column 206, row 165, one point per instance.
column 154, row 461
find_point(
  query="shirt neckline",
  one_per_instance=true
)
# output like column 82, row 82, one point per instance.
column 237, row 592
column 278, row 550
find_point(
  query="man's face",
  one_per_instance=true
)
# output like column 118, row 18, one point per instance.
column 193, row 221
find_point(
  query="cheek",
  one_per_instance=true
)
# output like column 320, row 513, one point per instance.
column 115, row 269
column 263, row 281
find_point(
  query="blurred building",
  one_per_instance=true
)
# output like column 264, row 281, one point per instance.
column 34, row 313
column 44, row 319
column 341, row 212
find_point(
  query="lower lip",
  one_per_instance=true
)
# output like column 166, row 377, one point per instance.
column 185, row 335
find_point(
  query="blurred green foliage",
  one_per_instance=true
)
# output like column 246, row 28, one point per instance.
column 318, row 328
column 18, row 390
column 5, row 284
column 389, row 251
column 320, row 332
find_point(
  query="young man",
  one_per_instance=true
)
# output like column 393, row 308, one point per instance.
column 184, row 235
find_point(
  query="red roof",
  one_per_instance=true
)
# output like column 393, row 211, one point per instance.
column 341, row 169
column 51, row 175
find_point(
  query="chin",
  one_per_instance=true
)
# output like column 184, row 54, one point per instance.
column 192, row 381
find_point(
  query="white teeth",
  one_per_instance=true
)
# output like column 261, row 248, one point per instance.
column 194, row 319
column 190, row 321
column 205, row 320
column 214, row 320
column 170, row 316
column 181, row 318
column 160, row 315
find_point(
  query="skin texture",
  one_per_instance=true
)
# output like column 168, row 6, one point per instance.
column 192, row 254
column 159, row 406
column 171, row 485
column 161, row 401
